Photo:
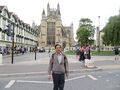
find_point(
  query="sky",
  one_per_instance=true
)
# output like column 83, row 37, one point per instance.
column 71, row 10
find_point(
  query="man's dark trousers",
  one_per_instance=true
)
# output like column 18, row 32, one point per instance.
column 58, row 81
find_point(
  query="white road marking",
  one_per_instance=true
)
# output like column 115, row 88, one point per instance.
column 75, row 78
column 10, row 84
column 43, row 82
column 12, row 74
column 90, row 76
column 48, row 82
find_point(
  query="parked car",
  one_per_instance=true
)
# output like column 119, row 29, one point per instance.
column 42, row 50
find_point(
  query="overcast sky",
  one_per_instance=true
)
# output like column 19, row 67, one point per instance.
column 71, row 10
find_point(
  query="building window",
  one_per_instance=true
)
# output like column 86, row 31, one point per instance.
column 4, row 23
column 4, row 13
column 51, row 33
column 3, row 36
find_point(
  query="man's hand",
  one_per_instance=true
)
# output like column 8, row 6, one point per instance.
column 49, row 77
column 67, row 74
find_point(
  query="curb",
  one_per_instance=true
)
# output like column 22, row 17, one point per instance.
column 45, row 73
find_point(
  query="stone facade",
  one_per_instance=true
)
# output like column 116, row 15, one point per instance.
column 52, row 31
column 24, row 35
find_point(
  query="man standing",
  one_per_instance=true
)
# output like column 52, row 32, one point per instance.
column 87, row 52
column 116, row 51
column 58, row 68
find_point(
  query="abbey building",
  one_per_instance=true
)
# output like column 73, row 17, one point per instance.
column 52, row 30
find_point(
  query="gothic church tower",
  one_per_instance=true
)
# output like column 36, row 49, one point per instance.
column 51, row 29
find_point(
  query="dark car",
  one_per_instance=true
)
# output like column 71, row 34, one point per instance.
column 42, row 50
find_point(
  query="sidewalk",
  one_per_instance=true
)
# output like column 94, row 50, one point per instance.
column 41, row 66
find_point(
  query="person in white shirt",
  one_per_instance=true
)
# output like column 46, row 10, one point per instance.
column 58, row 68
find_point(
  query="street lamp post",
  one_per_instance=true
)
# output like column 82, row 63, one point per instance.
column 98, row 35
column 10, row 32
column 35, row 52
column 13, row 44
column 49, row 43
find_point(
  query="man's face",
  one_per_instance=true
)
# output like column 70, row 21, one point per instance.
column 58, row 49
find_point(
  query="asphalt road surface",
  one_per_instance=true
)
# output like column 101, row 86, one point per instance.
column 107, row 79
column 97, row 80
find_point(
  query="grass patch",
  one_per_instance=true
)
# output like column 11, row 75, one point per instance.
column 103, row 53
column 94, row 53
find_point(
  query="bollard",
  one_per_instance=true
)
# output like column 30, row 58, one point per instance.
column 1, row 59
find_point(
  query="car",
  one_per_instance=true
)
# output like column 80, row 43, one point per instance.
column 42, row 50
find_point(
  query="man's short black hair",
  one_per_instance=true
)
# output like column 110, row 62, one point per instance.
column 57, row 45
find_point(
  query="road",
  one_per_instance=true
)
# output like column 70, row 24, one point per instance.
column 99, row 80
column 106, row 79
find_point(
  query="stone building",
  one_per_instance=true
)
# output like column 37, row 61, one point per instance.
column 52, row 30
column 24, row 35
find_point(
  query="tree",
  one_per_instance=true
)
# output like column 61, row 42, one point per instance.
column 85, row 32
column 112, row 31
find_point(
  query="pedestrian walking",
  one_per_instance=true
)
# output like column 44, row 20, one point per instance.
column 116, row 52
column 77, row 53
column 81, row 54
column 58, row 68
column 0, row 50
column 88, row 62
column 87, row 52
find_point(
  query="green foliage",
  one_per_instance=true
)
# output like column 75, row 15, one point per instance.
column 85, row 32
column 112, row 31
column 103, row 53
column 93, row 53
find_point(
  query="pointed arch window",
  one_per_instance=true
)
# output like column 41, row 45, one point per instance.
column 51, row 33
